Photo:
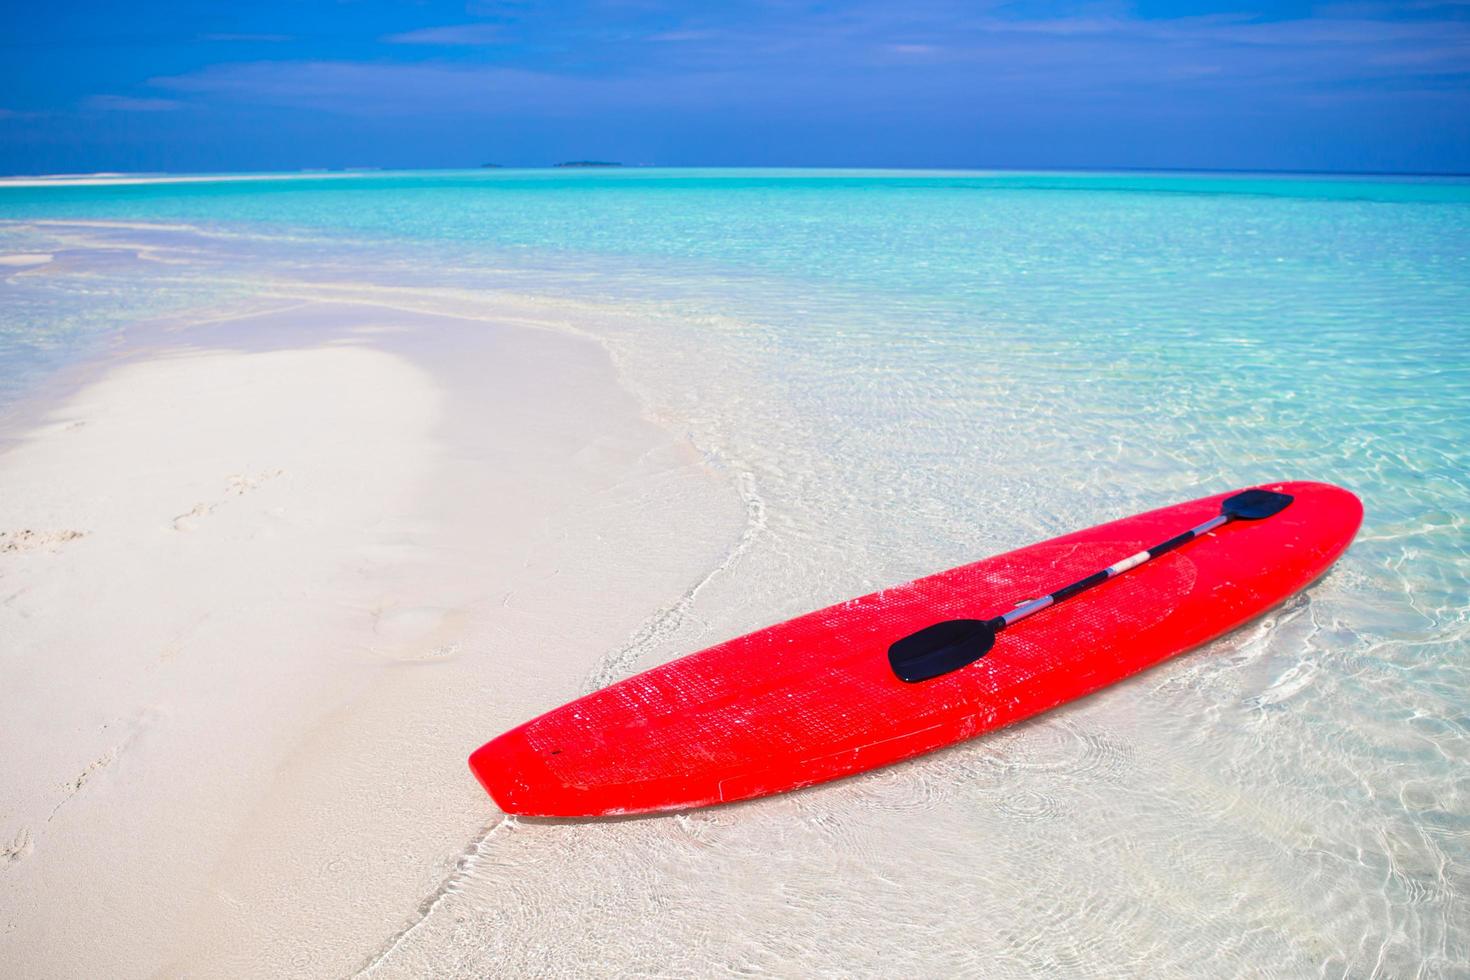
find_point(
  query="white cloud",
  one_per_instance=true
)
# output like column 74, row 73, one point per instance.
column 127, row 103
column 355, row 88
column 250, row 38
column 456, row 35
column 682, row 36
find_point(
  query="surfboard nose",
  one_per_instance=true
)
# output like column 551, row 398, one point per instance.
column 1333, row 513
column 511, row 773
column 517, row 771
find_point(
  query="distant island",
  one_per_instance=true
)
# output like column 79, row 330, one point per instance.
column 589, row 163
column 490, row 165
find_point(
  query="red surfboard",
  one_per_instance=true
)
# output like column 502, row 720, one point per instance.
column 816, row 698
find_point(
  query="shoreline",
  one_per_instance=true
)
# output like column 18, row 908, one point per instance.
column 402, row 501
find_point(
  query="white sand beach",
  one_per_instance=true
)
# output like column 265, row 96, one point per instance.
column 265, row 582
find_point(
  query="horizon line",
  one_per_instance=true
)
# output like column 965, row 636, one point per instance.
column 121, row 175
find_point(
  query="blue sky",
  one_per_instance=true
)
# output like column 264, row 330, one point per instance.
column 1359, row 85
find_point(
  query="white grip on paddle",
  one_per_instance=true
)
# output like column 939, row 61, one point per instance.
column 1131, row 562
column 1027, row 608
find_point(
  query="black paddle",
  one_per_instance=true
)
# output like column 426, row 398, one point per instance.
column 955, row 643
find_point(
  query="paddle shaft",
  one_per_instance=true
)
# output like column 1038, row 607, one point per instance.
column 1112, row 571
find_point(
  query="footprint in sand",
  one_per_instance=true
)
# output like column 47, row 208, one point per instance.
column 145, row 720
column 243, row 483
column 237, row 485
column 29, row 540
column 74, row 785
column 410, row 634
column 17, row 850
column 190, row 521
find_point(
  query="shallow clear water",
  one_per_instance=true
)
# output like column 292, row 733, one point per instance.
column 903, row 372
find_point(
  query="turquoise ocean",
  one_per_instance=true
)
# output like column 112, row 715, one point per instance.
column 905, row 371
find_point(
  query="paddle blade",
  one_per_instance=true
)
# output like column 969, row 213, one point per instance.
column 1254, row 505
column 941, row 648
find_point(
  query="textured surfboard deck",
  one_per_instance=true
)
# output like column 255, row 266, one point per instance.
column 814, row 698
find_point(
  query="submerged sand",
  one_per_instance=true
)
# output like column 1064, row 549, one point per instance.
column 265, row 581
